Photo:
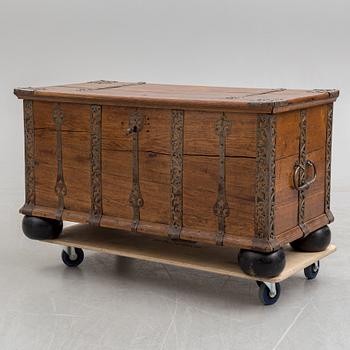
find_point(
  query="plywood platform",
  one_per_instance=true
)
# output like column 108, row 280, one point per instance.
column 189, row 255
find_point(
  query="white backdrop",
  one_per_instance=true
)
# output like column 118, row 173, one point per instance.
column 294, row 44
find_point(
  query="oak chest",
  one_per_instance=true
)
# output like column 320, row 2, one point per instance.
column 226, row 166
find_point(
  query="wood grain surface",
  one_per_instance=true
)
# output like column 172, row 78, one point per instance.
column 201, row 138
column 181, row 96
column 219, row 260
column 75, row 152
column 287, row 154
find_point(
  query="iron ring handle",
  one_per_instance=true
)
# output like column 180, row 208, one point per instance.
column 308, row 183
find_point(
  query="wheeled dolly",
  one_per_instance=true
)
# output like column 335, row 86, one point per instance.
column 219, row 260
column 269, row 292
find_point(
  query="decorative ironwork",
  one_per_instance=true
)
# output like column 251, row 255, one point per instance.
column 265, row 177
column 176, row 173
column 240, row 96
column 328, row 163
column 112, row 85
column 60, row 188
column 302, row 173
column 221, row 208
column 267, row 101
column 96, row 180
column 136, row 122
column 104, row 81
column 29, row 157
column 331, row 92
column 306, row 185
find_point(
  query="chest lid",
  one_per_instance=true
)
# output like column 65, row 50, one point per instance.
column 181, row 96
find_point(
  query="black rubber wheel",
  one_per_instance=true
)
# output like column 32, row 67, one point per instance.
column 311, row 271
column 41, row 228
column 73, row 263
column 265, row 296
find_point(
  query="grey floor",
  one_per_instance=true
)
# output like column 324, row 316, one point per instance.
column 119, row 303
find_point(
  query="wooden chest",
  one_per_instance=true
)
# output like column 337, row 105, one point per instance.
column 226, row 166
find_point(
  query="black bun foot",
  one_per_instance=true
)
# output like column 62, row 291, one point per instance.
column 316, row 241
column 260, row 264
column 41, row 228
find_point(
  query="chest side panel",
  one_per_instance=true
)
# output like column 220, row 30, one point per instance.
column 301, row 137
column 316, row 152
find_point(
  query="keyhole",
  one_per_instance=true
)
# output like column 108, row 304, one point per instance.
column 132, row 130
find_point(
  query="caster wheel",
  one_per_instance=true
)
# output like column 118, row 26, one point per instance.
column 311, row 271
column 265, row 295
column 76, row 260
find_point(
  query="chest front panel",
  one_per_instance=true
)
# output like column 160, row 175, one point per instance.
column 211, row 176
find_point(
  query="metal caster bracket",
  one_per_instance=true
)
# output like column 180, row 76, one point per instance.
column 272, row 288
column 71, row 253
column 316, row 266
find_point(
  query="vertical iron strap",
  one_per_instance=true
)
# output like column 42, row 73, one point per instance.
column 29, row 157
column 265, row 177
column 136, row 122
column 96, row 175
column 302, row 172
column 176, row 173
column 221, row 208
column 328, row 163
column 60, row 187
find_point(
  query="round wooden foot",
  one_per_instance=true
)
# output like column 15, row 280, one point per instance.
column 316, row 241
column 41, row 228
column 260, row 264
